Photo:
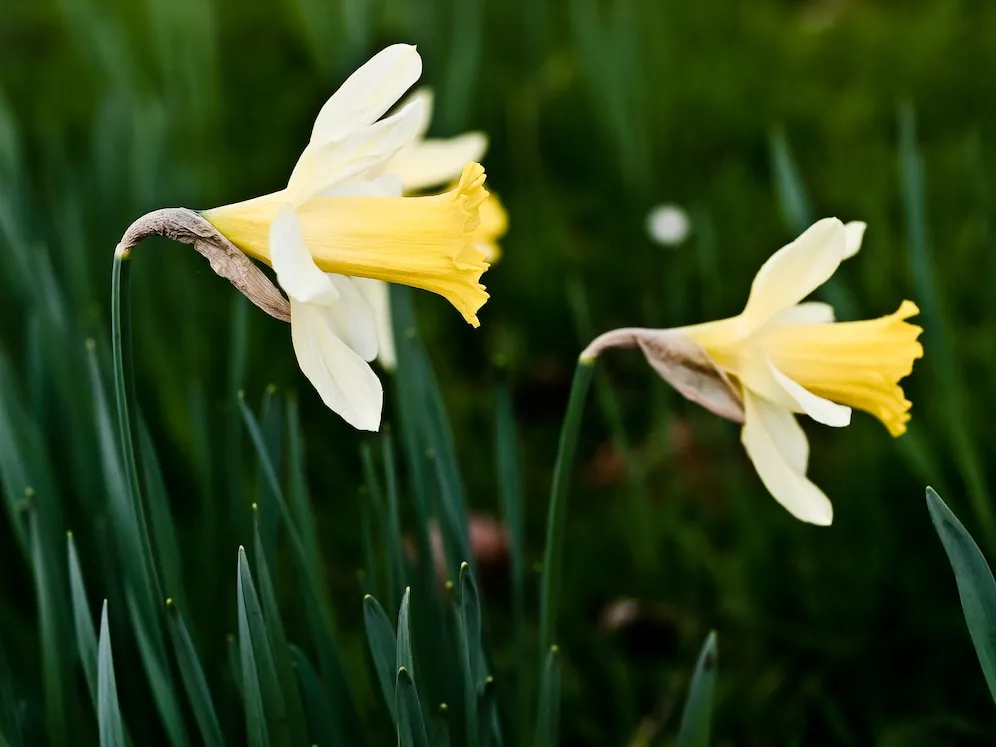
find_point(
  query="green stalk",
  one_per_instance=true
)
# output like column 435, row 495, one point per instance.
column 557, row 515
column 124, row 395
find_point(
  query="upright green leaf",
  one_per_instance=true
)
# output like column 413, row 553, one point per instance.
column 487, row 709
column 161, row 517
column 469, row 644
column 548, row 709
column 86, row 636
column 950, row 384
column 321, row 720
column 383, row 649
column 53, row 664
column 108, row 713
column 266, row 718
column 696, row 719
column 194, row 681
column 404, row 653
column 10, row 721
column 278, row 644
column 411, row 726
column 556, row 519
column 316, row 606
column 975, row 584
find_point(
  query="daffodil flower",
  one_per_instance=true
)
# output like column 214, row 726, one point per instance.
column 341, row 224
column 427, row 163
column 782, row 356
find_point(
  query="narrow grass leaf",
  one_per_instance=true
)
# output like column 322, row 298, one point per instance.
column 548, row 709
column 392, row 529
column 54, row 675
column 278, row 644
column 951, row 384
column 321, row 725
column 470, row 614
column 975, row 584
column 696, row 718
column 158, row 672
column 557, row 511
column 108, row 712
column 383, row 649
column 235, row 662
column 161, row 517
column 411, row 726
column 487, row 709
column 192, row 675
column 404, row 651
column 10, row 720
column 317, row 609
column 86, row 635
column 440, row 727
column 266, row 719
column 510, row 493
column 271, row 422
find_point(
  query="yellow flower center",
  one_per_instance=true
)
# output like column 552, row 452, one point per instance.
column 425, row 242
column 854, row 363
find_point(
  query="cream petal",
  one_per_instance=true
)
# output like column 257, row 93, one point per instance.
column 809, row 312
column 855, row 231
column 425, row 95
column 819, row 409
column 430, row 163
column 795, row 271
column 323, row 166
column 388, row 185
column 346, row 383
column 297, row 272
column 351, row 318
column 774, row 447
column 368, row 93
column 378, row 295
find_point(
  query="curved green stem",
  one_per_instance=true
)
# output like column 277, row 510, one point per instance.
column 557, row 512
column 124, row 395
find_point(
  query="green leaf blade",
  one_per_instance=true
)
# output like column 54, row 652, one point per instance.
column 696, row 718
column 976, row 586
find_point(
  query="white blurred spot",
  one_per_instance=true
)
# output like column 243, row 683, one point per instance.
column 668, row 225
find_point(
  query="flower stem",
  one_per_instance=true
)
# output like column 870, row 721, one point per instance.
column 557, row 515
column 124, row 395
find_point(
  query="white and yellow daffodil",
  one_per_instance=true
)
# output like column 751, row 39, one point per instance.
column 342, row 224
column 782, row 356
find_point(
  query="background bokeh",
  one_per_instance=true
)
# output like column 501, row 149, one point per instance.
column 755, row 117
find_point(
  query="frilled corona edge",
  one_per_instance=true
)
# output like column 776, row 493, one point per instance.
column 188, row 227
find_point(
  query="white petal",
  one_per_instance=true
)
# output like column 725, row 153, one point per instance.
column 323, row 166
column 368, row 93
column 855, row 231
column 795, row 271
column 296, row 271
column 351, row 318
column 819, row 409
column 423, row 94
column 774, row 447
column 378, row 295
column 430, row 163
column 810, row 312
column 388, row 185
column 346, row 383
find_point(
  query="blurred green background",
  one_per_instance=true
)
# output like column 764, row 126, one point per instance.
column 755, row 117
